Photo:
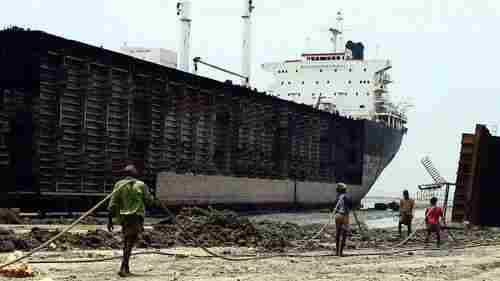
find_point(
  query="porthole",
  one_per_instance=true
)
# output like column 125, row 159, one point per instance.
column 327, row 81
column 282, row 83
column 357, row 94
column 297, row 70
column 349, row 82
column 364, row 69
column 335, row 70
column 317, row 82
column 302, row 82
column 361, row 106
column 321, row 70
column 350, row 69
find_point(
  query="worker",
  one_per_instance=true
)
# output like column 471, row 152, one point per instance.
column 343, row 207
column 127, row 206
column 432, row 216
column 406, row 211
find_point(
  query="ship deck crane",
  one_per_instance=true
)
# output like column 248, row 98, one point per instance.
column 197, row 60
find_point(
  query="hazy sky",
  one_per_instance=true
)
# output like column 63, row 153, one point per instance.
column 444, row 53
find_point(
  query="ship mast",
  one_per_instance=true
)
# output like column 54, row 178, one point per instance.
column 337, row 32
column 184, row 13
column 247, row 36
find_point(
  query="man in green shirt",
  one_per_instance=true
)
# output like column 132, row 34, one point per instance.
column 128, row 207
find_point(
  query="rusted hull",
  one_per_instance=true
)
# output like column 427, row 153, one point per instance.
column 70, row 112
column 477, row 192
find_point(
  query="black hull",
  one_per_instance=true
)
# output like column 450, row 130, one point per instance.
column 71, row 113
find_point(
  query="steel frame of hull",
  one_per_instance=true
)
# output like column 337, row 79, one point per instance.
column 70, row 111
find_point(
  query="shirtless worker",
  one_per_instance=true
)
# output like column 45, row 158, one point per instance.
column 406, row 212
column 128, row 206
column 343, row 207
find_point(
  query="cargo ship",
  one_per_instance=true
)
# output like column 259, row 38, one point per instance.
column 70, row 113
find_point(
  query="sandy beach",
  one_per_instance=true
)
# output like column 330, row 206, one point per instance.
column 481, row 263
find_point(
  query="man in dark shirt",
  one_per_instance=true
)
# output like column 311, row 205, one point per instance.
column 343, row 207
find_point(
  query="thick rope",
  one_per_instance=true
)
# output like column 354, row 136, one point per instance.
column 71, row 226
column 320, row 231
column 376, row 253
column 205, row 249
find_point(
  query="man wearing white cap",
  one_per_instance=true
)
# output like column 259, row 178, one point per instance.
column 343, row 207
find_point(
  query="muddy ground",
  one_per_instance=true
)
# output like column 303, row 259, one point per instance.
column 231, row 234
column 212, row 228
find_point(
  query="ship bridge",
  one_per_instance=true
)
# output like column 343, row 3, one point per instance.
column 338, row 82
column 324, row 57
column 341, row 81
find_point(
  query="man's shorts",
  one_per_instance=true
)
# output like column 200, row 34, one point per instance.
column 342, row 221
column 132, row 225
column 434, row 227
column 405, row 219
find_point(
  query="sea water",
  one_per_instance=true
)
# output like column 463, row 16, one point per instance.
column 371, row 217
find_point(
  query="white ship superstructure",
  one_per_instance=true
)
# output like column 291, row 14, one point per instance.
column 160, row 56
column 339, row 81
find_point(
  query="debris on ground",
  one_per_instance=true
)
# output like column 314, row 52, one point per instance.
column 17, row 271
column 213, row 228
column 63, row 220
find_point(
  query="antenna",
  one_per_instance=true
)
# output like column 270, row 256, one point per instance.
column 184, row 13
column 247, row 42
column 337, row 32
column 340, row 21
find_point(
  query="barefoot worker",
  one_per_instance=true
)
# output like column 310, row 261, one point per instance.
column 432, row 216
column 127, row 206
column 406, row 211
column 343, row 207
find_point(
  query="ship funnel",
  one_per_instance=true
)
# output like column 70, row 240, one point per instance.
column 184, row 13
column 246, row 50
